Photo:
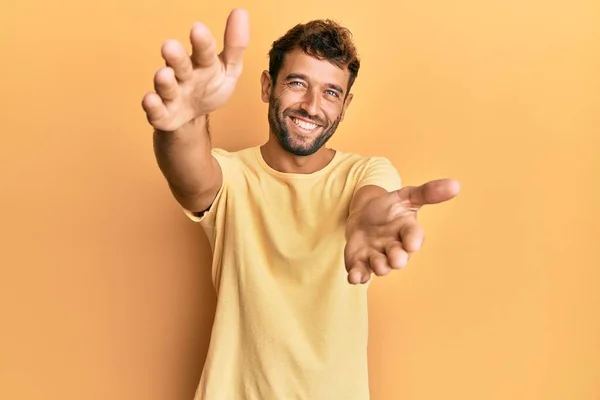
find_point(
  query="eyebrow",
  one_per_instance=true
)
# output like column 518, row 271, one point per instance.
column 305, row 78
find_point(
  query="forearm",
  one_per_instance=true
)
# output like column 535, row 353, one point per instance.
column 361, row 198
column 184, row 157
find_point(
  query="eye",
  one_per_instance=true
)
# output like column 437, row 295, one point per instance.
column 296, row 83
column 332, row 93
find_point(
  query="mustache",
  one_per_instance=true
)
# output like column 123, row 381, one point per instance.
column 303, row 114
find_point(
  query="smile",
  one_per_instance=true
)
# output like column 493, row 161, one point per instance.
column 305, row 125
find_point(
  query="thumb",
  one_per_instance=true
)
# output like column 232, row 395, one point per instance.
column 237, row 37
column 432, row 192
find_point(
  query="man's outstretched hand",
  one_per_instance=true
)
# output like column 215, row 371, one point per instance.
column 383, row 233
column 190, row 86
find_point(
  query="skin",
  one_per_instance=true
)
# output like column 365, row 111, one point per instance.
column 309, row 90
column 382, row 229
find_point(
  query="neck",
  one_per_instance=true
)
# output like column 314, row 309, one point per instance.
column 281, row 160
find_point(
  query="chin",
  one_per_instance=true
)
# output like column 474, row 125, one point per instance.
column 299, row 150
column 304, row 152
column 293, row 146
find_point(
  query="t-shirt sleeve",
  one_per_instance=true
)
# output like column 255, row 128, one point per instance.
column 380, row 172
column 208, row 217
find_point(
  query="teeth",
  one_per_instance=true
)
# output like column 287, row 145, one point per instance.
column 304, row 125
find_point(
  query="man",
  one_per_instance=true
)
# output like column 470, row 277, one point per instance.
column 296, row 228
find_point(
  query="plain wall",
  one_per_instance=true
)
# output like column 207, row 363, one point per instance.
column 105, row 288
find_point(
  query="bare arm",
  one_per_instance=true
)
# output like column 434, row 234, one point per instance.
column 361, row 198
column 379, row 180
column 187, row 90
column 185, row 159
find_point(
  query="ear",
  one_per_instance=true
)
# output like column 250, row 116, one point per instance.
column 346, row 105
column 266, row 86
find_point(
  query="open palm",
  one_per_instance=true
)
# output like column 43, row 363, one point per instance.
column 387, row 231
column 191, row 86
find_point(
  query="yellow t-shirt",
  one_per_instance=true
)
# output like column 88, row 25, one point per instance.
column 288, row 325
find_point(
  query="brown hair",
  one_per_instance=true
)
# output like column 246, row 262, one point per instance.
column 322, row 39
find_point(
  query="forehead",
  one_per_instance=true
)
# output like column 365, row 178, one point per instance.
column 317, row 71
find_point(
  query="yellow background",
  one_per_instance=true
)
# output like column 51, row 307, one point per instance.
column 105, row 288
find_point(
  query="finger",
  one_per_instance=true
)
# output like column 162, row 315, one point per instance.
column 411, row 235
column 176, row 57
column 154, row 107
column 204, row 46
column 237, row 37
column 359, row 273
column 397, row 257
column 165, row 84
column 432, row 192
column 379, row 264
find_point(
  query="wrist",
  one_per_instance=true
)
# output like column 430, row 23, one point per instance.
column 187, row 133
column 352, row 223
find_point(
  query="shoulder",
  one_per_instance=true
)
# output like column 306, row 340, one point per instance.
column 228, row 158
column 361, row 162
column 231, row 155
column 369, row 170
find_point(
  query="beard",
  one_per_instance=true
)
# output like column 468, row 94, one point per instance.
column 295, row 143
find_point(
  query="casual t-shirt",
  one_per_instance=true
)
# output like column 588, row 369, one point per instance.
column 288, row 325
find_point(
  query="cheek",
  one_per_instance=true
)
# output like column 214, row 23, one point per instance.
column 288, row 101
column 332, row 111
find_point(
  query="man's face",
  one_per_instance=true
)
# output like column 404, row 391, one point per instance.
column 307, row 102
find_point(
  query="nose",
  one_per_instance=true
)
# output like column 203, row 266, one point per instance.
column 311, row 102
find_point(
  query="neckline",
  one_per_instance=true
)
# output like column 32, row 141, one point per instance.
column 295, row 175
